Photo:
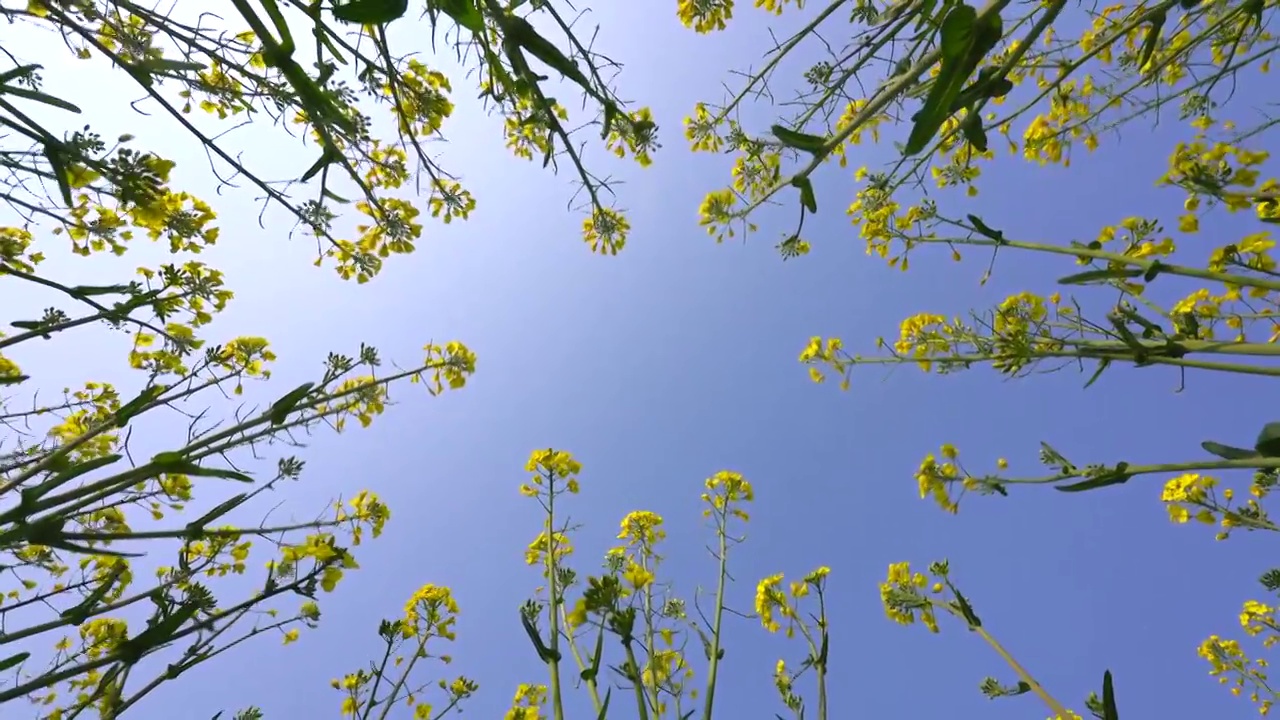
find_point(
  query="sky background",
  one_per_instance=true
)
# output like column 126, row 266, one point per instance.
column 678, row 358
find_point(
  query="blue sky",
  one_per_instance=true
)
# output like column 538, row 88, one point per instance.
column 677, row 359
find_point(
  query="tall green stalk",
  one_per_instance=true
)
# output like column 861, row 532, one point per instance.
column 553, row 591
column 714, row 661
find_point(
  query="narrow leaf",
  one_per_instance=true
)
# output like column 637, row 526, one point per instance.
column 199, row 471
column 604, row 706
column 1109, row 711
column 463, row 12
column 966, row 609
column 222, row 509
column 984, row 229
column 1103, row 364
column 807, row 198
column 280, row 410
column 1227, row 452
column 87, row 466
column 798, row 140
column 974, row 133
column 961, row 52
column 14, row 661
column 1118, row 476
column 131, row 409
column 1268, row 443
column 94, row 290
column 1099, row 275
column 21, row 71
column 168, row 458
column 40, row 98
column 370, row 12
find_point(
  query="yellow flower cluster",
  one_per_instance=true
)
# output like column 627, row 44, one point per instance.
column 1185, row 492
column 901, row 595
column 774, row 606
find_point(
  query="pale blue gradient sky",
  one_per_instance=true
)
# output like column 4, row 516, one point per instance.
column 676, row 359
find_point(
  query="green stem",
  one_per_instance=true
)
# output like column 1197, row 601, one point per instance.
column 637, row 685
column 1140, row 263
column 821, row 666
column 1195, row 346
column 1255, row 463
column 378, row 677
column 649, row 635
column 553, row 591
column 1055, row 706
column 714, row 662
column 971, row 358
column 392, row 698
column 593, row 687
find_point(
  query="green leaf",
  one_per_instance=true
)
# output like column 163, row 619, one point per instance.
column 195, row 526
column 81, row 612
column 200, row 471
column 87, row 466
column 974, row 132
column 966, row 609
column 1153, row 271
column 1103, row 364
column 1268, row 443
column 168, row 458
column 958, row 32
column 53, row 154
column 965, row 41
column 39, row 97
column 1227, row 452
column 604, row 706
column 1151, row 41
column 520, row 32
column 984, row 229
column 13, row 379
column 610, row 112
column 130, row 410
column 1117, row 476
column 544, row 653
column 463, row 12
column 925, row 13
column 1090, row 276
column 807, row 198
column 21, row 71
column 162, row 64
column 14, row 661
column 281, row 408
column 371, row 12
column 1109, row 711
column 94, row 290
column 326, row 159
column 27, row 324
column 798, row 140
column 335, row 197
column 999, row 88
